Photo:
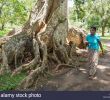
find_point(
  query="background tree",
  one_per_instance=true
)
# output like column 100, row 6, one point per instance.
column 92, row 12
column 102, row 9
column 14, row 12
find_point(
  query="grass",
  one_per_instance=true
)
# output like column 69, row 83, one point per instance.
column 10, row 83
column 3, row 32
column 106, row 37
column 104, row 46
column 82, row 59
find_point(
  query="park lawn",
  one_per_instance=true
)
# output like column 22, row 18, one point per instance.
column 106, row 37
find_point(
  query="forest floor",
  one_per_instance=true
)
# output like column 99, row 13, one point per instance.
column 68, row 79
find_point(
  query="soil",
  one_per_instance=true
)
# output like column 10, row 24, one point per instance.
column 68, row 79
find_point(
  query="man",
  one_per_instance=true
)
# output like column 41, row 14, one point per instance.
column 93, row 42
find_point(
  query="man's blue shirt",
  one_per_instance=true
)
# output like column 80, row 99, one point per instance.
column 93, row 41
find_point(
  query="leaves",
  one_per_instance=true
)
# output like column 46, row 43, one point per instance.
column 9, row 83
column 91, row 12
column 14, row 12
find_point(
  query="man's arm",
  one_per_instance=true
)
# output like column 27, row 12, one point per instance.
column 100, row 44
column 86, row 41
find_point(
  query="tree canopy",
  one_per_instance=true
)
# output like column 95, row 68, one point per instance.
column 14, row 12
column 92, row 13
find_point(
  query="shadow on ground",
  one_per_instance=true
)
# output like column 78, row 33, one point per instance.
column 71, row 80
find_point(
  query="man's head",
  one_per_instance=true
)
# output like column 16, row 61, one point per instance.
column 93, row 30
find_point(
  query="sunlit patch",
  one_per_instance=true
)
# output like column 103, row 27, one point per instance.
column 104, row 82
column 108, row 74
column 103, row 68
column 83, row 70
column 70, row 3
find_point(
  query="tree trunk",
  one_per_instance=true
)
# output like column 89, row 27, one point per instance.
column 46, row 32
column 104, row 24
column 2, row 26
column 54, row 38
column 103, row 30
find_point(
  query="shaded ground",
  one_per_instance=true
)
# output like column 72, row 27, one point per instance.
column 72, row 80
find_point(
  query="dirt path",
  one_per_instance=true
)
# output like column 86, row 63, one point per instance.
column 70, row 80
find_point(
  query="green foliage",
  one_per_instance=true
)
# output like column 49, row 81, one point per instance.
column 104, row 48
column 14, row 12
column 10, row 83
column 91, row 12
column 93, row 21
column 106, row 37
column 3, row 32
column 78, row 10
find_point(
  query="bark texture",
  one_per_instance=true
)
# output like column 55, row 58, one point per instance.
column 43, row 39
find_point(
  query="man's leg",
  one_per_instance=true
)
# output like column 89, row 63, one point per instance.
column 93, row 62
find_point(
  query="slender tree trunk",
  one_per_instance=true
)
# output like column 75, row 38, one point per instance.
column 103, row 30
column 2, row 26
column 104, row 26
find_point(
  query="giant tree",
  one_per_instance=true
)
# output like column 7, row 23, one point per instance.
column 44, row 37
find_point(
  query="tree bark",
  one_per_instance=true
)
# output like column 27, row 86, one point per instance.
column 56, row 32
column 105, row 21
column 2, row 26
column 46, row 32
column 103, row 30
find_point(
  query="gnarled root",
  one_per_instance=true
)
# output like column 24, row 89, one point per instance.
column 30, row 79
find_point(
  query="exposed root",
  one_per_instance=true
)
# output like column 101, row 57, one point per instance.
column 25, row 68
column 60, row 66
column 30, row 79
column 31, row 65
column 50, row 30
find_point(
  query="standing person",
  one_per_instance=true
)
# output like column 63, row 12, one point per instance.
column 93, row 42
